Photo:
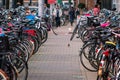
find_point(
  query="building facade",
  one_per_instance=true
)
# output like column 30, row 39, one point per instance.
column 108, row 4
column 116, row 4
column 88, row 3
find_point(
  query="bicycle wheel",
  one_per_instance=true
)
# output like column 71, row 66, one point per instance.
column 85, row 62
column 9, row 71
column 37, row 35
column 24, row 51
column 3, row 75
column 80, row 30
column 44, row 34
column 21, row 67
column 34, row 41
column 74, row 32
column 20, row 52
column 62, row 22
column 30, row 46
column 93, row 56
column 85, row 35
column 114, row 69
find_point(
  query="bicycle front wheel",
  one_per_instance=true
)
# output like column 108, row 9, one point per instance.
column 20, row 66
column 3, row 75
column 74, row 32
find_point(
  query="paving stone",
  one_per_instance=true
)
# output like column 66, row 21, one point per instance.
column 55, row 60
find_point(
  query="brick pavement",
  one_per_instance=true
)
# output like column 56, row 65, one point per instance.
column 56, row 61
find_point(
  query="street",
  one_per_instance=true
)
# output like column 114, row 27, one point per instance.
column 56, row 60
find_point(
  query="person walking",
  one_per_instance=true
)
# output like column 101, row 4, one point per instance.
column 71, row 15
column 57, row 13
column 30, row 2
column 96, row 10
column 46, row 11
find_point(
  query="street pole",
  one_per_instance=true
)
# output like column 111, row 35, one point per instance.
column 40, row 7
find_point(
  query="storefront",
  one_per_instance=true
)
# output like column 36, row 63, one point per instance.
column 105, row 4
column 10, row 3
column 5, row 3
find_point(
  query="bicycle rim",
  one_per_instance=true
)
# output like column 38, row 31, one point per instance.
column 21, row 67
column 74, row 32
column 85, row 63
column 3, row 75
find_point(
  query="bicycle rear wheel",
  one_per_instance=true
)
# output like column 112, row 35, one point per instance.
column 20, row 66
column 74, row 32
column 8, row 71
column 85, row 62
column 3, row 75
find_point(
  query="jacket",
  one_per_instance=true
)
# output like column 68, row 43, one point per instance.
column 55, row 12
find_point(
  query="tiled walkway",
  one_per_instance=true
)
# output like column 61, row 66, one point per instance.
column 55, row 60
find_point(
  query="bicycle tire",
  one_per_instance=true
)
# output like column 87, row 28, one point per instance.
column 3, row 75
column 20, row 66
column 45, row 35
column 85, row 63
column 18, row 51
column 38, row 35
column 30, row 46
column 81, row 29
column 74, row 32
column 62, row 22
column 88, row 51
column 24, row 50
column 51, row 26
column 7, row 67
column 84, row 35
column 36, row 44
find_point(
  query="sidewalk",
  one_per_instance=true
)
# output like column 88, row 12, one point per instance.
column 55, row 60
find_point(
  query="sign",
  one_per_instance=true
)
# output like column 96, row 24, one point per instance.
column 51, row 1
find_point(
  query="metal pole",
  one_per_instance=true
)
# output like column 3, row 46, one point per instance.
column 40, row 7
